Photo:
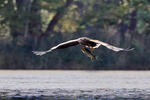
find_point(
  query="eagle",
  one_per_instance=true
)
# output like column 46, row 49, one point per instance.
column 88, row 45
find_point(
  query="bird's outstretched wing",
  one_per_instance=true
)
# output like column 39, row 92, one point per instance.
column 59, row 46
column 111, row 46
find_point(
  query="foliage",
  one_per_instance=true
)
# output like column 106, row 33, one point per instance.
column 27, row 25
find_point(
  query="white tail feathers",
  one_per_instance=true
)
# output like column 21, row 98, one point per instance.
column 39, row 53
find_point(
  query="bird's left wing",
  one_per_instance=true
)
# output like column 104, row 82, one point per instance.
column 111, row 46
column 67, row 44
column 59, row 46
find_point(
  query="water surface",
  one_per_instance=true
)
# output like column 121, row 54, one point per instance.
column 109, row 84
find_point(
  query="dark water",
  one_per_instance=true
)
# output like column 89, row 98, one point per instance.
column 74, row 85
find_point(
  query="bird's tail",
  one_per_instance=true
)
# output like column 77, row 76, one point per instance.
column 39, row 53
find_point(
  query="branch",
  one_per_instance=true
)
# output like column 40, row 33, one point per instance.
column 57, row 17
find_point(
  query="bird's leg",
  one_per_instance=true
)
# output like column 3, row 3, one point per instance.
column 88, row 53
column 83, row 49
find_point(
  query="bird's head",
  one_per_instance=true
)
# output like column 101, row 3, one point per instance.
column 84, row 38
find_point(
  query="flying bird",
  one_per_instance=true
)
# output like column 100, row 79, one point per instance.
column 88, row 45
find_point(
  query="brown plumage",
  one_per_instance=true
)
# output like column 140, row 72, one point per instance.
column 85, row 43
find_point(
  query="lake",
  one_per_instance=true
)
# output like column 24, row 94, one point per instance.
column 74, row 85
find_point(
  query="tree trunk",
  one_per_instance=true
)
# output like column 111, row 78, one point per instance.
column 53, row 23
column 57, row 17
column 133, row 22
column 35, row 25
column 26, row 22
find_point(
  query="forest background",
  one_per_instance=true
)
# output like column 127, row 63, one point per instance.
column 27, row 25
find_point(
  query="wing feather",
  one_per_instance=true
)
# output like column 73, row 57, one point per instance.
column 111, row 46
column 59, row 46
column 67, row 44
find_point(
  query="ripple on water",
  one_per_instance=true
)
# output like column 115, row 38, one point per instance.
column 88, row 85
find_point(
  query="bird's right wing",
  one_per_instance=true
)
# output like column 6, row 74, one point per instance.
column 59, row 46
column 111, row 46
